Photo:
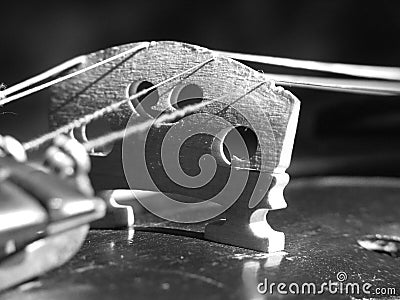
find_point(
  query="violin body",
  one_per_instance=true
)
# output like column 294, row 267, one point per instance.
column 161, row 259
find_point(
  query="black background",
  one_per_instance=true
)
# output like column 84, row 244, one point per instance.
column 37, row 35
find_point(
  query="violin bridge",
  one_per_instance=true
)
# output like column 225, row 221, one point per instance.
column 240, row 141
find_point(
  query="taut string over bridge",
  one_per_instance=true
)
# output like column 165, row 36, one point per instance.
column 376, row 72
column 347, row 85
column 164, row 118
column 342, row 85
column 107, row 109
column 4, row 95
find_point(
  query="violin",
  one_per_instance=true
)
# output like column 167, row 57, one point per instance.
column 206, row 136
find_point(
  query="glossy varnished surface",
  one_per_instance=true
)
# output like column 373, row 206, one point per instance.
column 324, row 219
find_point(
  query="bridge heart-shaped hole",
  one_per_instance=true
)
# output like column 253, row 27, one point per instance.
column 91, row 131
column 239, row 143
column 144, row 103
column 184, row 95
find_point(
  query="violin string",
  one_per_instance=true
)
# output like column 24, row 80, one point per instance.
column 363, row 71
column 107, row 109
column 142, row 126
column 43, row 76
column 355, row 70
column 57, row 70
column 355, row 86
column 165, row 118
column 388, row 73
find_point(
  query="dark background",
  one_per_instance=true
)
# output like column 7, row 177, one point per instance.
column 337, row 134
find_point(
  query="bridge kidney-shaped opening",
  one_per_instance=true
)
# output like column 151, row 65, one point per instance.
column 240, row 143
column 146, row 102
column 92, row 130
column 184, row 95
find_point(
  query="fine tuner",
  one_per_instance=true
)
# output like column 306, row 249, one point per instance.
column 184, row 121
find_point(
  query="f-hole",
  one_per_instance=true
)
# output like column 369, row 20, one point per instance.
column 239, row 143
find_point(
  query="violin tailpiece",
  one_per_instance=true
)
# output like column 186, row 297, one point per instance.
column 242, row 140
column 45, row 209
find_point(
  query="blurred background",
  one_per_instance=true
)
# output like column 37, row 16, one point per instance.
column 338, row 133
